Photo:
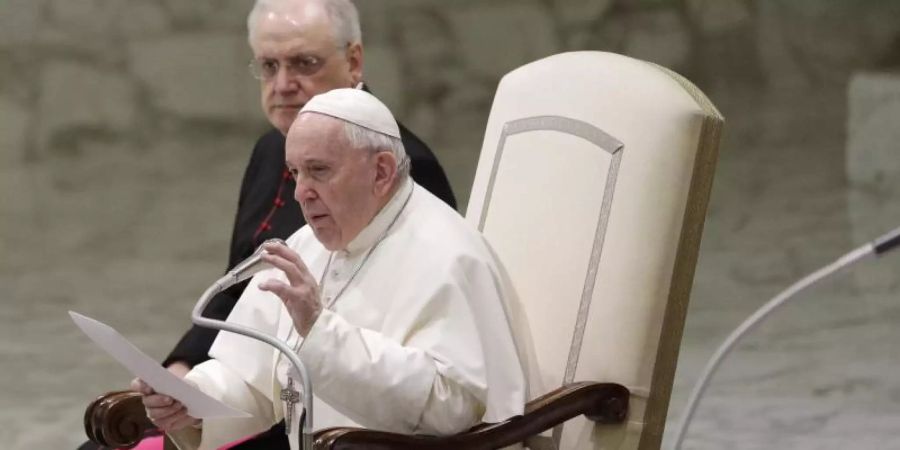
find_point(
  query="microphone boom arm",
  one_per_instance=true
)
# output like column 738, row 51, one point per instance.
column 878, row 247
column 232, row 277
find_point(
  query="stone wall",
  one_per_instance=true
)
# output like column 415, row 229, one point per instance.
column 125, row 126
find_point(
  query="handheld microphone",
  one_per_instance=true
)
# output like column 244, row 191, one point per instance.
column 248, row 267
column 878, row 247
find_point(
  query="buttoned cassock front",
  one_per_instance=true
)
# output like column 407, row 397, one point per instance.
column 417, row 342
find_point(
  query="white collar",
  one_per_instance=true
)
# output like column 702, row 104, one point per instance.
column 379, row 224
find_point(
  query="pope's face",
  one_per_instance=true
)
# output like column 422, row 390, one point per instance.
column 337, row 186
column 298, row 58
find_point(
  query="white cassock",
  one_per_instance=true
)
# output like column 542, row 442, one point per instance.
column 417, row 342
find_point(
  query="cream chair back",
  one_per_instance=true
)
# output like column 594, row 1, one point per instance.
column 592, row 189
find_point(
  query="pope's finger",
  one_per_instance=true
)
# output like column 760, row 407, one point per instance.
column 276, row 287
column 287, row 253
column 138, row 385
column 164, row 413
column 278, row 249
column 294, row 274
column 158, row 401
column 275, row 248
column 290, row 255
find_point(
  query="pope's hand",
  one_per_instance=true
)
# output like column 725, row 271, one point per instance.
column 301, row 296
column 165, row 412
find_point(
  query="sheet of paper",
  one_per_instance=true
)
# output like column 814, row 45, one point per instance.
column 198, row 404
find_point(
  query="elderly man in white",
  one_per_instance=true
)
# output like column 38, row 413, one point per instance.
column 429, row 351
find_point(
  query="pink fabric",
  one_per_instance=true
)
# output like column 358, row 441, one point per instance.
column 156, row 443
column 150, row 443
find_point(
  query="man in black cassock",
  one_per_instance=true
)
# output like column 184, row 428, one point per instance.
column 301, row 48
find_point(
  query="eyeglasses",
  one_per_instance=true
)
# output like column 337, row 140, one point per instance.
column 301, row 64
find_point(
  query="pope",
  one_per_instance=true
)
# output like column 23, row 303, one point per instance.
column 394, row 303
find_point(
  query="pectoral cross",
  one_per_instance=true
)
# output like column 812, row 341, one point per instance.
column 290, row 397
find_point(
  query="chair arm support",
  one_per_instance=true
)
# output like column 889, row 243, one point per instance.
column 117, row 420
column 601, row 402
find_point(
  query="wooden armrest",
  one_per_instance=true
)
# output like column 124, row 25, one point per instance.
column 601, row 402
column 117, row 420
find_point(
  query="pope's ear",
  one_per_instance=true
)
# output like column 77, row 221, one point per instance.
column 385, row 172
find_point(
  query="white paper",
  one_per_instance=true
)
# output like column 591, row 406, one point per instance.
column 199, row 405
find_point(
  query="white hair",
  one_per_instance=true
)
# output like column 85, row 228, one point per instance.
column 342, row 13
column 362, row 138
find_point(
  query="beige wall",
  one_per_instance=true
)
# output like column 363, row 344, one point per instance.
column 133, row 102
column 125, row 126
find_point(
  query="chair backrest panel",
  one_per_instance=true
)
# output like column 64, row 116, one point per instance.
column 532, row 150
column 588, row 190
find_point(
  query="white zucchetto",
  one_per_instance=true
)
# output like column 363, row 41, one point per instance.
column 355, row 106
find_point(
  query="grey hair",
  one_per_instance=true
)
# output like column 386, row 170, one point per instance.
column 342, row 13
column 362, row 138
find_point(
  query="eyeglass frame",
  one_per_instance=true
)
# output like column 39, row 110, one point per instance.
column 293, row 64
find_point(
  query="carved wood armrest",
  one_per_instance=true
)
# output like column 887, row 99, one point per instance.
column 601, row 402
column 117, row 420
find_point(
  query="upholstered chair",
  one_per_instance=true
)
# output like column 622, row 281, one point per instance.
column 591, row 188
